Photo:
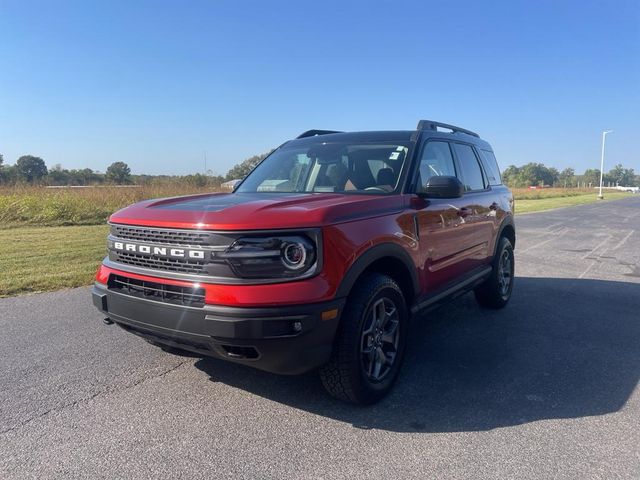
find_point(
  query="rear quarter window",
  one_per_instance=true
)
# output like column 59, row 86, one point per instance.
column 491, row 167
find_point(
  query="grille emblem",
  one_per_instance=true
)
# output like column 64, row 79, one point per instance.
column 166, row 252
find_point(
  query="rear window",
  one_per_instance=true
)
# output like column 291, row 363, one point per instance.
column 491, row 167
column 470, row 173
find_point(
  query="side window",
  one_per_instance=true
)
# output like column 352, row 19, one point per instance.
column 436, row 160
column 470, row 172
column 491, row 167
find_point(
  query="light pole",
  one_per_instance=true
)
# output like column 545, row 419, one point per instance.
column 604, row 136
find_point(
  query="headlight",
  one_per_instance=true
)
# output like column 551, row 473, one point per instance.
column 271, row 257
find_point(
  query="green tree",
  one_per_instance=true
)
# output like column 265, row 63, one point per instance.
column 119, row 173
column 591, row 177
column 3, row 171
column 531, row 174
column 510, row 176
column 31, row 169
column 567, row 177
column 619, row 175
column 58, row 175
column 552, row 176
column 197, row 180
column 242, row 169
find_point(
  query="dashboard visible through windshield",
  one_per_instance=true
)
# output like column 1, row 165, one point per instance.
column 329, row 167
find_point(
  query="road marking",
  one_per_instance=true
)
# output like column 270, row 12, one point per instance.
column 553, row 237
column 584, row 257
column 550, row 227
column 587, row 269
column 623, row 241
column 595, row 260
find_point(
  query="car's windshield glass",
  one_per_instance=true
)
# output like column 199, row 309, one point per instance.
column 330, row 167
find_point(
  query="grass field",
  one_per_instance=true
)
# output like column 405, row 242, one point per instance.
column 36, row 259
column 43, row 258
column 528, row 205
column 540, row 193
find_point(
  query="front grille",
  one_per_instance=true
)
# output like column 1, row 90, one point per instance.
column 152, row 235
column 177, row 295
column 159, row 263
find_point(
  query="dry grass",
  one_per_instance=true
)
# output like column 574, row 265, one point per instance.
column 39, row 206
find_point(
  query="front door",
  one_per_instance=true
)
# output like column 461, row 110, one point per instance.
column 446, row 233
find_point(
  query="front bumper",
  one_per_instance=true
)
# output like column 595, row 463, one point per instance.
column 283, row 339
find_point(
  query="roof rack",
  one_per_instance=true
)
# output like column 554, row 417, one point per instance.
column 313, row 133
column 433, row 125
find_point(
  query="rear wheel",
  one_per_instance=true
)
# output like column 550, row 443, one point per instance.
column 369, row 344
column 495, row 292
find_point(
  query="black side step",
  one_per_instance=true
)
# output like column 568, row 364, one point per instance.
column 451, row 292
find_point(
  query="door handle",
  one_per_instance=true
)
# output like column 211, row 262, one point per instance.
column 493, row 206
column 464, row 212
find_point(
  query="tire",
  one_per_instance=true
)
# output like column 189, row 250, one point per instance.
column 370, row 342
column 495, row 292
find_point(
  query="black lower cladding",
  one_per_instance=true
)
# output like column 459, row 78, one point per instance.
column 285, row 340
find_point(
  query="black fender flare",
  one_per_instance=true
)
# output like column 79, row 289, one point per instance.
column 366, row 259
column 507, row 222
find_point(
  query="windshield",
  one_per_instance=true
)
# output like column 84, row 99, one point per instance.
column 329, row 167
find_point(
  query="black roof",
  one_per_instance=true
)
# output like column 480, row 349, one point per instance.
column 372, row 136
column 387, row 135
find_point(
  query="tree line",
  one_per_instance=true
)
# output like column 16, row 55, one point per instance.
column 33, row 170
column 538, row 174
column 30, row 169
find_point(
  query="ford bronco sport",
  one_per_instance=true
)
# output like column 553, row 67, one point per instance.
column 320, row 257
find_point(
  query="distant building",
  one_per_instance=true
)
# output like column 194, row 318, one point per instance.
column 621, row 188
column 231, row 184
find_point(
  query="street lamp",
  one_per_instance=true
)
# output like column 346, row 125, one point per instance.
column 604, row 135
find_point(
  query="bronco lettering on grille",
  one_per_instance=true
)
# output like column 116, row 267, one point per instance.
column 159, row 251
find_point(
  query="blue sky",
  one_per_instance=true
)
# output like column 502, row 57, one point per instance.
column 156, row 84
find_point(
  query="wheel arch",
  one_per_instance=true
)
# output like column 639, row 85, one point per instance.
column 388, row 259
column 508, row 230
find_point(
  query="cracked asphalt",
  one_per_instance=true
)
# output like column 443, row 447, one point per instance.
column 546, row 388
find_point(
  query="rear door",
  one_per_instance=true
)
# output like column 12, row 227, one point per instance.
column 479, row 207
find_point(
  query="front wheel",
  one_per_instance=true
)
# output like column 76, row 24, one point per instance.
column 369, row 344
column 495, row 292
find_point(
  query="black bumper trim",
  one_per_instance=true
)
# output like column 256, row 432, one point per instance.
column 289, row 339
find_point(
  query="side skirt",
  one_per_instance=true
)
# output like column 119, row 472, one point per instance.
column 448, row 293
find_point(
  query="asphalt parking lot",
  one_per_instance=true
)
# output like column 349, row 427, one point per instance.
column 546, row 388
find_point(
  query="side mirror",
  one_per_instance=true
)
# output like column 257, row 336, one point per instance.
column 443, row 187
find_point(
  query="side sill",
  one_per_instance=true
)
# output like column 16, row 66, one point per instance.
column 438, row 298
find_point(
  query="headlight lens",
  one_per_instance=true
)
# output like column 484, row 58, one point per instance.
column 271, row 257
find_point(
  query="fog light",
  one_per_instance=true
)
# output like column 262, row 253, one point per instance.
column 297, row 326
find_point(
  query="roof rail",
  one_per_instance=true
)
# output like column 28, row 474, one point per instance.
column 313, row 133
column 433, row 125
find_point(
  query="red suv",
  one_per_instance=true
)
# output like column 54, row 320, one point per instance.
column 320, row 257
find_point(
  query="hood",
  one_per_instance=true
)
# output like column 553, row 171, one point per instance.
column 255, row 211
